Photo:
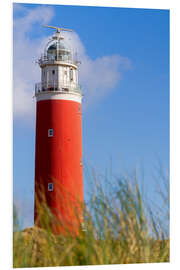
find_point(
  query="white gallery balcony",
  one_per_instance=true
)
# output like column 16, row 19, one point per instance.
column 54, row 87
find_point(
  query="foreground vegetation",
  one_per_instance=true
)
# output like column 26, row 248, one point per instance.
column 119, row 228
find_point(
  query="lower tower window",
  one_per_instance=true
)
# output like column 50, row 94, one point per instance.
column 50, row 186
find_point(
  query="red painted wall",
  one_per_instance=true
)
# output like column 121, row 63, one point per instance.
column 58, row 161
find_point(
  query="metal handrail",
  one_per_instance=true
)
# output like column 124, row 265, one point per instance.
column 53, row 87
column 46, row 58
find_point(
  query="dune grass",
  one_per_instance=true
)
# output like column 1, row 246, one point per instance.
column 120, row 228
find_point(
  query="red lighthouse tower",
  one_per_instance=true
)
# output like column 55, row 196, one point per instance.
column 58, row 157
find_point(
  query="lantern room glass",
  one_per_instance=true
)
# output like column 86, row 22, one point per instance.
column 59, row 51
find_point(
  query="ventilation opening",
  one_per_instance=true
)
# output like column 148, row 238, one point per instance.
column 65, row 89
column 81, row 162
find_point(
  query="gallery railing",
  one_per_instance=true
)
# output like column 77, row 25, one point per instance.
column 54, row 87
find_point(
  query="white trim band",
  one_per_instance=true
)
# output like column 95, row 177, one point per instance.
column 54, row 96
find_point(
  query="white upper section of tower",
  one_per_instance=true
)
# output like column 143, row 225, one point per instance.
column 59, row 67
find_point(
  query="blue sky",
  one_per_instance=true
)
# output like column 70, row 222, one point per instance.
column 125, row 77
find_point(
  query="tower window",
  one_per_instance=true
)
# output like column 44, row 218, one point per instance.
column 53, row 71
column 71, row 74
column 50, row 186
column 50, row 132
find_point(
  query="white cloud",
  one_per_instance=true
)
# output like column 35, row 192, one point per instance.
column 98, row 77
column 25, row 52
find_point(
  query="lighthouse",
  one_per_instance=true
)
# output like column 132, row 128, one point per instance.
column 58, row 149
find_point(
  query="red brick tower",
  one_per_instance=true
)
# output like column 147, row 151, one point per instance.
column 58, row 157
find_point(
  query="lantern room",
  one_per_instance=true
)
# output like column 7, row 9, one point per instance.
column 59, row 67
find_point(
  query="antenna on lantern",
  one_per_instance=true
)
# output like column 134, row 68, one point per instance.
column 58, row 31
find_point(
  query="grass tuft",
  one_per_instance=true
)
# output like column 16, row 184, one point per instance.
column 117, row 229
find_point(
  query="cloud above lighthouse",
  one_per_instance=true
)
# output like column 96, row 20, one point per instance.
column 26, row 51
column 98, row 77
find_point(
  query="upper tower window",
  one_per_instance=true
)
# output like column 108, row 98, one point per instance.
column 53, row 71
column 50, row 132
